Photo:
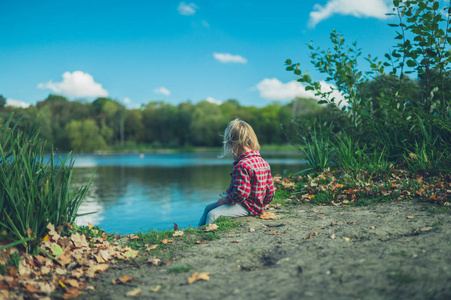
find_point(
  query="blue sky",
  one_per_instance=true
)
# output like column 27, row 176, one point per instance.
column 139, row 51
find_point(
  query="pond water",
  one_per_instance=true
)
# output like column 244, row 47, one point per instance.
column 140, row 192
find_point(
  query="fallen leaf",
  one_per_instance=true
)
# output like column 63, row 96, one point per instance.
column 154, row 261
column 90, row 225
column 96, row 269
column 133, row 293
column 72, row 293
column 126, row 278
column 151, row 247
column 346, row 239
column 235, row 241
column 322, row 212
column 198, row 276
column 409, row 217
column 156, row 288
column 251, row 229
column 56, row 250
column 268, row 216
column 178, row 233
column 134, row 237
column 333, row 236
column 211, row 227
column 79, row 240
column 166, row 241
column 131, row 253
column 202, row 242
column 312, row 234
column 276, row 233
column 426, row 229
column 372, row 227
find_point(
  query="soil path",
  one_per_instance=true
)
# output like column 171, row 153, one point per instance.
column 389, row 251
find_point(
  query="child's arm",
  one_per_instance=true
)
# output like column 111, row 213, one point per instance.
column 270, row 192
column 240, row 186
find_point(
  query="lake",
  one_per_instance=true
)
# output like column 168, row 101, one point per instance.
column 139, row 192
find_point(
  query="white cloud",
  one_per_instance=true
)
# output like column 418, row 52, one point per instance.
column 229, row 58
column 187, row 9
column 127, row 100
column 162, row 90
column 76, row 84
column 16, row 103
column 357, row 8
column 274, row 89
column 213, row 100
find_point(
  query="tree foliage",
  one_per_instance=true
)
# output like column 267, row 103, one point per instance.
column 400, row 104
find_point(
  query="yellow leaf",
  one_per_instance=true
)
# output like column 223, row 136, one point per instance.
column 90, row 225
column 426, row 229
column 46, row 238
column 131, row 253
column 62, row 284
column 133, row 293
column 346, row 239
column 333, row 236
column 198, row 276
column 166, row 241
column 156, row 288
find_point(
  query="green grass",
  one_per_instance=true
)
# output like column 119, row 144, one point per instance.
column 180, row 269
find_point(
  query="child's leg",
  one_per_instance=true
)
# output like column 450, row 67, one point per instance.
column 227, row 210
column 208, row 208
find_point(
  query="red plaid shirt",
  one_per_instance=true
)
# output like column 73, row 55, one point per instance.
column 251, row 185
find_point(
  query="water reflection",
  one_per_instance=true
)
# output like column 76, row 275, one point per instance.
column 131, row 193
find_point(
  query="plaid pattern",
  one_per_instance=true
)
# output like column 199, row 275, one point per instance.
column 251, row 183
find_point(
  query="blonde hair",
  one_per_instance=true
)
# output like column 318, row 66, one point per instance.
column 238, row 135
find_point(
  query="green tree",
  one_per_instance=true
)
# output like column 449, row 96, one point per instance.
column 2, row 101
column 85, row 136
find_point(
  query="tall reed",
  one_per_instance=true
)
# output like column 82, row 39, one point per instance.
column 34, row 191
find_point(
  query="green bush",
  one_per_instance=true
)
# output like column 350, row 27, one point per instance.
column 33, row 192
column 385, row 110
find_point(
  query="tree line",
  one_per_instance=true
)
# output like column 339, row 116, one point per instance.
column 107, row 124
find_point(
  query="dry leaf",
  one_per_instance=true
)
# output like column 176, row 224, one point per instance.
column 409, row 217
column 211, row 227
column 126, row 278
column 312, row 234
column 372, row 227
column 268, row 216
column 134, row 237
column 151, row 247
column 178, row 233
column 198, row 276
column 156, row 288
column 275, row 233
column 251, row 229
column 131, row 253
column 235, row 241
column 202, row 242
column 426, row 229
column 133, row 293
column 166, row 241
column 346, row 239
column 333, row 236
column 72, row 293
column 154, row 261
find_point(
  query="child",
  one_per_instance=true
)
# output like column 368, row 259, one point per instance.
column 251, row 187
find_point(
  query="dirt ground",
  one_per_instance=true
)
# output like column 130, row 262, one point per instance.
column 389, row 251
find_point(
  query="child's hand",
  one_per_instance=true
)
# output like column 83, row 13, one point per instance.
column 222, row 201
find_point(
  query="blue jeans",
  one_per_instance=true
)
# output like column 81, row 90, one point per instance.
column 213, row 211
